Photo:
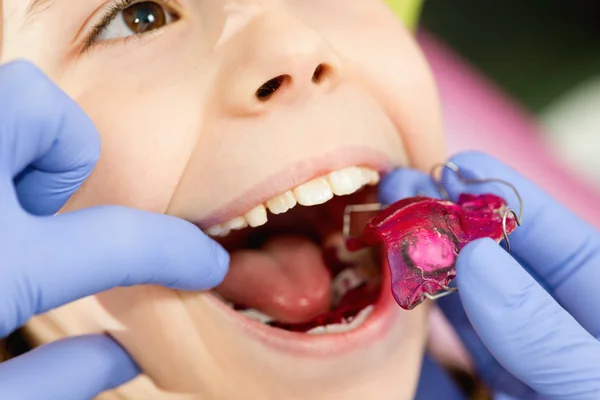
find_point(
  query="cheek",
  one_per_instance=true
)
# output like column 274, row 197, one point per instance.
column 149, row 110
column 401, row 79
column 383, row 55
column 145, row 146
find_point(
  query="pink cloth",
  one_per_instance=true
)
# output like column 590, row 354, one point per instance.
column 478, row 116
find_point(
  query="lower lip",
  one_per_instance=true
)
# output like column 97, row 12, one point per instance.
column 377, row 326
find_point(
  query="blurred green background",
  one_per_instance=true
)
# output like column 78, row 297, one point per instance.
column 534, row 49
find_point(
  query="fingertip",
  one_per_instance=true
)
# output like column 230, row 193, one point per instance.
column 220, row 267
column 472, row 157
column 403, row 183
column 486, row 275
column 494, row 289
column 20, row 69
column 62, row 144
column 28, row 89
column 120, row 246
column 107, row 358
column 479, row 173
column 96, row 363
column 469, row 164
column 485, row 262
column 203, row 261
column 475, row 256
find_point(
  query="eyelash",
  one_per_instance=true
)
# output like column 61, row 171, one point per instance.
column 112, row 12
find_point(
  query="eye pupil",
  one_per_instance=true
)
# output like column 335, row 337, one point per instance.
column 145, row 16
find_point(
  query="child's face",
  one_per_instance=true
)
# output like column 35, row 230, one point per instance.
column 186, row 131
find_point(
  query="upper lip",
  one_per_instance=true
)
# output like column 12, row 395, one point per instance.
column 290, row 176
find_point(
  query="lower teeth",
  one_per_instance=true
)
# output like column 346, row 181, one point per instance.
column 345, row 281
column 257, row 315
column 351, row 324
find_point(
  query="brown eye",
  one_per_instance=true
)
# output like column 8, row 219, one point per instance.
column 136, row 19
column 145, row 16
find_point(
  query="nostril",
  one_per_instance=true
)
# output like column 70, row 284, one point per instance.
column 320, row 71
column 271, row 86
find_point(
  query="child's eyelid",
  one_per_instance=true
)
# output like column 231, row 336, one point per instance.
column 93, row 20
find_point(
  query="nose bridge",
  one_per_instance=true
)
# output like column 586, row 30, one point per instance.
column 279, row 58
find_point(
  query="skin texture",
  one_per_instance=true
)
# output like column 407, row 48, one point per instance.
column 184, row 134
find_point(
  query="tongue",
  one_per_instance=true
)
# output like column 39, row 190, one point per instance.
column 287, row 279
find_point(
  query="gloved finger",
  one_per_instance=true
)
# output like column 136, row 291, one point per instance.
column 488, row 368
column 524, row 328
column 557, row 246
column 75, row 368
column 49, row 145
column 403, row 183
column 81, row 253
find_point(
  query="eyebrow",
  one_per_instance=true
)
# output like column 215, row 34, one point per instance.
column 37, row 6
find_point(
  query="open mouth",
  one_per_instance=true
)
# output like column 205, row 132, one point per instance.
column 290, row 269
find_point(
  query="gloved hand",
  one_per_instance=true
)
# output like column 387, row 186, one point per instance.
column 48, row 147
column 531, row 318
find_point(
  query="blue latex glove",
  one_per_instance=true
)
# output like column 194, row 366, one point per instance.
column 48, row 147
column 530, row 320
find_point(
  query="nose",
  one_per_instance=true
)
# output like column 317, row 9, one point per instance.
column 276, row 60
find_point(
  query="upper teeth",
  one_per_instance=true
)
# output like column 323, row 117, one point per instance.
column 318, row 191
